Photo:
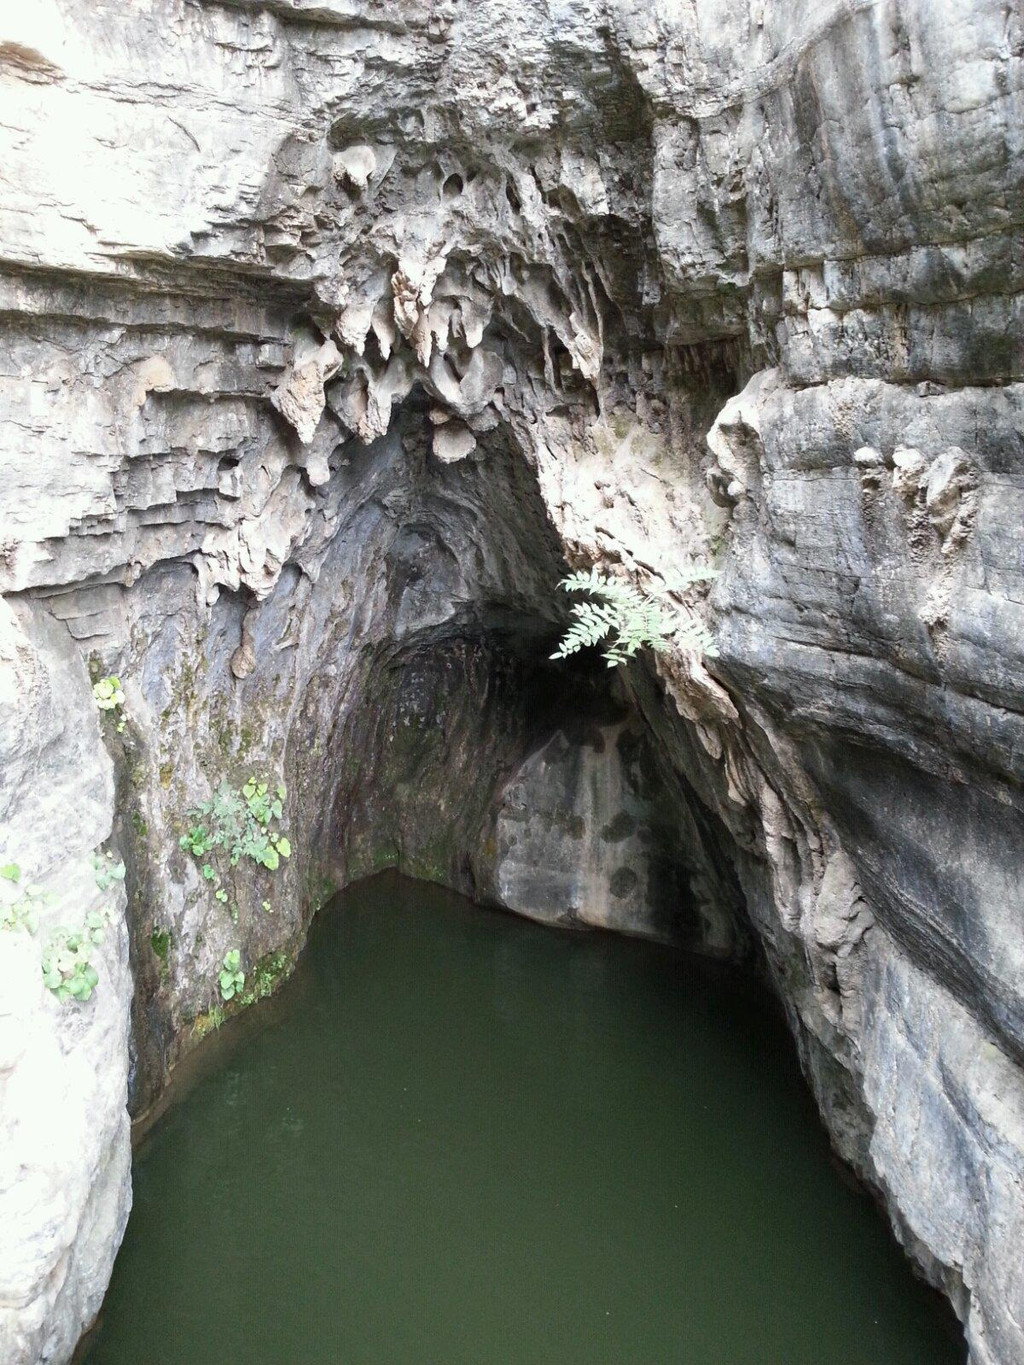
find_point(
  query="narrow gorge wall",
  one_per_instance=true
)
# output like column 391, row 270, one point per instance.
column 333, row 331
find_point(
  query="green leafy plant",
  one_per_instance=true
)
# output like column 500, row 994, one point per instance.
column 242, row 824
column 198, row 840
column 23, row 911
column 23, row 914
column 232, row 978
column 96, row 925
column 625, row 620
column 109, row 696
column 67, row 967
column 106, row 871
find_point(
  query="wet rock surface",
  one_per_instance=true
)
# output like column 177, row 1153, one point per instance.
column 334, row 332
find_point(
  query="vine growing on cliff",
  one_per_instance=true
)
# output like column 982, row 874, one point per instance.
column 626, row 620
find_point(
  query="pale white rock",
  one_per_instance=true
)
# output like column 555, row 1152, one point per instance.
column 950, row 480
column 908, row 471
column 412, row 287
column 468, row 390
column 453, row 442
column 300, row 396
column 355, row 164
column 64, row 1128
column 382, row 322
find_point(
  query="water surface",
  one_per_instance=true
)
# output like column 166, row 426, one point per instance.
column 460, row 1139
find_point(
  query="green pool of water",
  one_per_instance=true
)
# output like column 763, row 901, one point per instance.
column 460, row 1139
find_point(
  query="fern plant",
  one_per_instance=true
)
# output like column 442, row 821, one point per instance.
column 626, row 620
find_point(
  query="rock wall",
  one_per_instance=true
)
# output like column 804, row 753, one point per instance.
column 333, row 330
column 65, row 1157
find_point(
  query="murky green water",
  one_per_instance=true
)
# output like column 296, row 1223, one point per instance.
column 460, row 1139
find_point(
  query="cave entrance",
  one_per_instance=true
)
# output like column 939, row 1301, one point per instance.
column 455, row 749
column 527, row 784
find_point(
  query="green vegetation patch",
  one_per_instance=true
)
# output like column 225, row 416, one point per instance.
column 624, row 620
column 160, row 942
column 108, row 695
column 67, row 966
column 231, row 978
column 243, row 824
column 266, row 976
column 22, row 911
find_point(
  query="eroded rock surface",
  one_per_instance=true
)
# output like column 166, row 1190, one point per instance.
column 65, row 1156
column 333, row 330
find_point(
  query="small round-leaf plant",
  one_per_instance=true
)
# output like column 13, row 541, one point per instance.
column 23, row 911
column 232, row 978
column 625, row 620
column 109, row 696
column 67, row 967
column 107, row 870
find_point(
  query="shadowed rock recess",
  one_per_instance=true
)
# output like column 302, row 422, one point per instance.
column 333, row 332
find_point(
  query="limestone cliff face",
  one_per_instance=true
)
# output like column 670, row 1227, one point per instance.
column 333, row 330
